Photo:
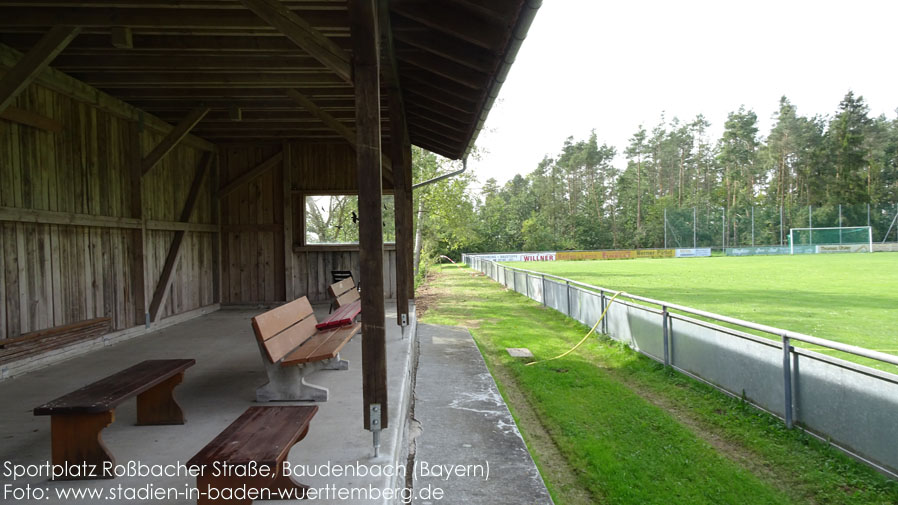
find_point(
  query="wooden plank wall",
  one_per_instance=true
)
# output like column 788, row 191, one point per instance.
column 252, row 250
column 59, row 274
column 252, row 223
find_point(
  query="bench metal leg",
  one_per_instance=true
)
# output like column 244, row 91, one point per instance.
column 75, row 440
column 158, row 405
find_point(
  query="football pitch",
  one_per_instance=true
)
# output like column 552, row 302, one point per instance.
column 849, row 298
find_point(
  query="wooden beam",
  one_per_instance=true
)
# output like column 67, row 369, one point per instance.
column 303, row 35
column 181, row 226
column 36, row 60
column 214, row 183
column 174, row 251
column 341, row 129
column 77, row 90
column 120, row 37
column 138, row 266
column 146, row 16
column 366, row 76
column 289, row 257
column 28, row 118
column 209, row 79
column 322, row 115
column 15, row 214
column 160, row 60
column 400, row 151
column 454, row 20
column 250, row 174
column 173, row 138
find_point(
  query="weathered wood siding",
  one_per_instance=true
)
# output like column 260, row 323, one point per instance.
column 57, row 274
column 252, row 251
column 253, row 223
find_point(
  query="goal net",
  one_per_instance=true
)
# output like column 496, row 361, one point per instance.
column 834, row 239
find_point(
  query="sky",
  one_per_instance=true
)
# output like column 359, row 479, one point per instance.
column 613, row 65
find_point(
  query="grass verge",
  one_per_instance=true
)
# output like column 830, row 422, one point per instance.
column 629, row 431
column 848, row 298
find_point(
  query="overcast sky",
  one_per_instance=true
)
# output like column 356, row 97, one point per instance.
column 613, row 65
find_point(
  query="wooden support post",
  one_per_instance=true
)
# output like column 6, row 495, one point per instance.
column 303, row 35
column 408, row 208
column 174, row 251
column 287, row 170
column 400, row 152
column 138, row 237
column 173, row 137
column 217, row 237
column 32, row 63
column 366, row 74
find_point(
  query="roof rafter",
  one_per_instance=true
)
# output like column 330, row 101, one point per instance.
column 303, row 35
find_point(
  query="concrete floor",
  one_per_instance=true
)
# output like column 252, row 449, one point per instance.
column 461, row 419
column 215, row 392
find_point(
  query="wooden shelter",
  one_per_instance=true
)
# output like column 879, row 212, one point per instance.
column 155, row 154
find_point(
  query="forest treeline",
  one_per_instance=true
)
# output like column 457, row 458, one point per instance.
column 581, row 199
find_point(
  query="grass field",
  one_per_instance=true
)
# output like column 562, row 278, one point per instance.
column 849, row 298
column 607, row 425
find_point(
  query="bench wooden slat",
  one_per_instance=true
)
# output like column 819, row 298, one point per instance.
column 281, row 344
column 347, row 298
column 324, row 345
column 276, row 320
column 338, row 288
column 344, row 292
column 342, row 316
column 261, row 434
column 106, row 393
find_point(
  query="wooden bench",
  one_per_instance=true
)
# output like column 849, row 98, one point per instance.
column 260, row 436
column 77, row 418
column 344, row 292
column 293, row 348
column 41, row 341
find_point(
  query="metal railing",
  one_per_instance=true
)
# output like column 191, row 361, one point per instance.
column 851, row 405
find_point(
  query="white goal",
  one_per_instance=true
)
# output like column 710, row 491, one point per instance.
column 831, row 240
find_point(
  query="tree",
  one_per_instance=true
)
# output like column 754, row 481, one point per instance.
column 849, row 152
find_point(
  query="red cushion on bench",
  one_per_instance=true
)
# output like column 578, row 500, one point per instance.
column 342, row 316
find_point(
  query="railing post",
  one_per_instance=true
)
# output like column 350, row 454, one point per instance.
column 604, row 321
column 787, row 381
column 544, row 291
column 570, row 313
column 527, row 283
column 664, row 334
column 514, row 280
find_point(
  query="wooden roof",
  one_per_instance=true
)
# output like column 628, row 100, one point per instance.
column 451, row 56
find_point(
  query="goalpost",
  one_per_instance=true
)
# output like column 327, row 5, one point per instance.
column 832, row 239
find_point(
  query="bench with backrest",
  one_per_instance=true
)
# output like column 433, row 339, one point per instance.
column 343, row 292
column 293, row 348
column 260, row 436
column 346, row 299
column 77, row 418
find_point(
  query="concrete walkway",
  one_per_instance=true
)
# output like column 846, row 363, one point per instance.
column 215, row 392
column 468, row 445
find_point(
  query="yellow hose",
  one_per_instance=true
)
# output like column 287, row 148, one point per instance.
column 572, row 349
